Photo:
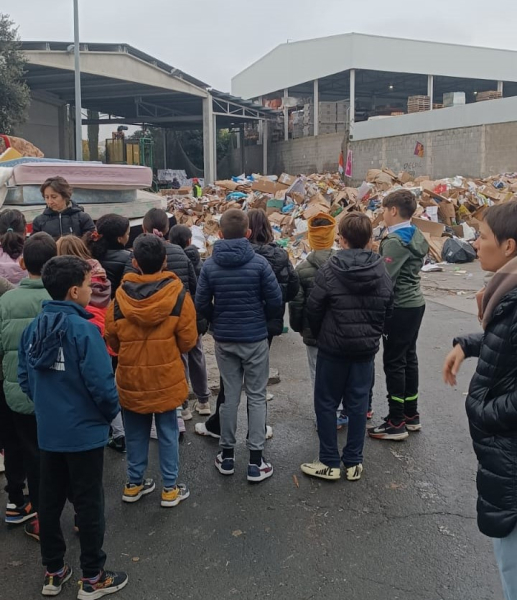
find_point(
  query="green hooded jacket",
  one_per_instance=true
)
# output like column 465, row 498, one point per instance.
column 18, row 308
column 404, row 252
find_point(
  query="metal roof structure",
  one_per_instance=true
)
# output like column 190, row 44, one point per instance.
column 291, row 65
column 131, row 86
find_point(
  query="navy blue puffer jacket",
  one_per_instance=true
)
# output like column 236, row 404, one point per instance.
column 237, row 291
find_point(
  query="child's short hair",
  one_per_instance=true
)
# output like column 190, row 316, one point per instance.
column 38, row 250
column 180, row 235
column 234, row 224
column 321, row 222
column 356, row 229
column 149, row 252
column 63, row 272
column 403, row 200
column 502, row 220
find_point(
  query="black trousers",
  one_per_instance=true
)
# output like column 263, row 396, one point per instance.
column 27, row 431
column 81, row 473
column 213, row 424
column 13, row 453
column 401, row 361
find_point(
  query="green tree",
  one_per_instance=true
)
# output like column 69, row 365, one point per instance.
column 14, row 92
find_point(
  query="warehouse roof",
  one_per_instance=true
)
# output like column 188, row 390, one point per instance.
column 295, row 63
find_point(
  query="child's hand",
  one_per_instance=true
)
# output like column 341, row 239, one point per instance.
column 452, row 365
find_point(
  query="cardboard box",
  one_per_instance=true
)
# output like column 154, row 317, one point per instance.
column 447, row 212
column 274, row 206
column 435, row 246
column 314, row 208
column 286, row 179
column 434, row 229
column 185, row 190
column 267, row 186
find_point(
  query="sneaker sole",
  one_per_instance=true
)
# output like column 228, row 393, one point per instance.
column 34, row 536
column 131, row 499
column 82, row 595
column 262, row 477
column 20, row 520
column 55, row 591
column 414, row 427
column 170, row 503
column 313, row 474
column 394, row 437
column 203, row 412
column 207, row 434
column 188, row 417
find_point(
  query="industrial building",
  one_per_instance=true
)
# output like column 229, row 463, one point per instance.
column 463, row 94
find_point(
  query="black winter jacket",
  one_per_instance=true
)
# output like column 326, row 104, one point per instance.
column 492, row 412
column 178, row 263
column 349, row 303
column 237, row 292
column 195, row 258
column 287, row 280
column 298, row 315
column 114, row 262
column 73, row 220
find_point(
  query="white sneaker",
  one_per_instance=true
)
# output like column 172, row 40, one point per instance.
column 2, row 465
column 354, row 473
column 269, row 432
column 200, row 429
column 203, row 408
column 269, row 397
column 186, row 414
column 318, row 469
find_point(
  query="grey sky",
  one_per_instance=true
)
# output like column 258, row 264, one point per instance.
column 215, row 40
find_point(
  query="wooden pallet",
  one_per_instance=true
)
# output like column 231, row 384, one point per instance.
column 490, row 95
column 418, row 104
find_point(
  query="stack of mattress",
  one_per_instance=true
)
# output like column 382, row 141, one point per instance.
column 93, row 183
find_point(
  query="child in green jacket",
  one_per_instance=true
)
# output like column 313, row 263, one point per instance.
column 403, row 250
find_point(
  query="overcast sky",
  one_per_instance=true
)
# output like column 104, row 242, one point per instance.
column 213, row 41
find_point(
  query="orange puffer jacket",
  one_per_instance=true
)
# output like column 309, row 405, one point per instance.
column 150, row 324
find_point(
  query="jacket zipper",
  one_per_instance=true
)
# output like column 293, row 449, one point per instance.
column 60, row 225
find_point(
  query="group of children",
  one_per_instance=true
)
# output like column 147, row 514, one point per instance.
column 149, row 309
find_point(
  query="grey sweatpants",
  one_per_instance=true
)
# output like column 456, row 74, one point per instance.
column 195, row 370
column 248, row 364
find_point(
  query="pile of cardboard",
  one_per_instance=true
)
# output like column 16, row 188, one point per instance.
column 445, row 207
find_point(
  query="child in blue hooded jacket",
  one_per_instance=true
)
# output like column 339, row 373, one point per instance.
column 65, row 369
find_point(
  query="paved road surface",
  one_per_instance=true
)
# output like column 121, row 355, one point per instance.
column 406, row 531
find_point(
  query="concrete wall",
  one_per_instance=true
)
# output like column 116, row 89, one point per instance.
column 470, row 151
column 46, row 128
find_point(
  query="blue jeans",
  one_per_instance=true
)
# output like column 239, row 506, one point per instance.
column 138, row 431
column 505, row 550
column 340, row 379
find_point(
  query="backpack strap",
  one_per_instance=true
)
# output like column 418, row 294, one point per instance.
column 117, row 312
column 176, row 311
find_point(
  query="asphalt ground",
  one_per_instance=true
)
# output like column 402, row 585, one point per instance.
column 406, row 531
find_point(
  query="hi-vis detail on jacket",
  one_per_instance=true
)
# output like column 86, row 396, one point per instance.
column 59, row 365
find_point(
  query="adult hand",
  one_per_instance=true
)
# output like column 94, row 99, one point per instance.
column 452, row 365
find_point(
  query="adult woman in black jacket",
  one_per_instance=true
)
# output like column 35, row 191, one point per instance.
column 108, row 244
column 62, row 216
column 492, row 399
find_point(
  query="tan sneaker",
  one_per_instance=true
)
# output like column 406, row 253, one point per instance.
column 354, row 473
column 318, row 469
column 203, row 408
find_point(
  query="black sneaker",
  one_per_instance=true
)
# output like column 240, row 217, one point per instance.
column 55, row 581
column 413, row 423
column 389, row 431
column 107, row 583
column 117, row 444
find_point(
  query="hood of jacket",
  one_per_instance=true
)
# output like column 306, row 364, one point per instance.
column 148, row 300
column 359, row 269
column 276, row 256
column 232, row 253
column 317, row 258
column 411, row 237
column 70, row 210
column 46, row 340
